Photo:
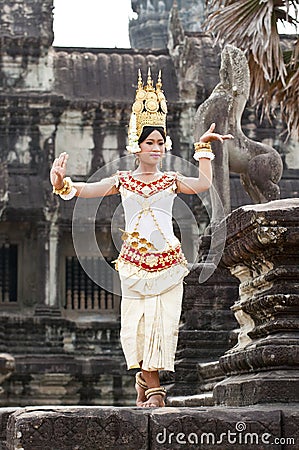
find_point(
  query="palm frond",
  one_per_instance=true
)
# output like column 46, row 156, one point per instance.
column 251, row 25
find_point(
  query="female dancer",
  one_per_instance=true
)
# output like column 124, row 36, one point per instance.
column 151, row 264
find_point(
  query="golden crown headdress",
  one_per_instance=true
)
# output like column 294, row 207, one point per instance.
column 149, row 109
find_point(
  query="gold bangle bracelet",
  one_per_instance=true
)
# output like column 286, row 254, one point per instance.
column 66, row 188
column 198, row 146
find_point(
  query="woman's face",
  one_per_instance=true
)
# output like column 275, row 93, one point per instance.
column 152, row 148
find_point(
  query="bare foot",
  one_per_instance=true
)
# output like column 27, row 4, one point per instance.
column 155, row 401
column 141, row 398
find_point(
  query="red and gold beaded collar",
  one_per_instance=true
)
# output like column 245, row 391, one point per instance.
column 146, row 189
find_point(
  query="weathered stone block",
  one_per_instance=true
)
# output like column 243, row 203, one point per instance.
column 212, row 428
column 290, row 426
column 263, row 387
column 78, row 428
column 172, row 428
column 4, row 416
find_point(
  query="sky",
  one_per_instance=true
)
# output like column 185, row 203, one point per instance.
column 92, row 23
column 96, row 23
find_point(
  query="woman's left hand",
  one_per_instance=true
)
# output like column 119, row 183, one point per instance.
column 209, row 135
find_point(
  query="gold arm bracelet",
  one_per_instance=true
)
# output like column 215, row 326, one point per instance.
column 198, row 146
column 66, row 188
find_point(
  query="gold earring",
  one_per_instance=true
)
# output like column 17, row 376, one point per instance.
column 161, row 163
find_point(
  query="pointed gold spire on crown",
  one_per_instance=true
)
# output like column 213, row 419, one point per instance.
column 140, row 82
column 149, row 86
column 159, row 82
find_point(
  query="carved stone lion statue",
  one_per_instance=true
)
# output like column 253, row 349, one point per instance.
column 259, row 165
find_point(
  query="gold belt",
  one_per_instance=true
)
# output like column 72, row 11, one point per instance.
column 152, row 261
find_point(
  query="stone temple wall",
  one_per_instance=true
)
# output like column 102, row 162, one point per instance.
column 61, row 329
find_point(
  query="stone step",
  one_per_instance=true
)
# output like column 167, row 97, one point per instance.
column 191, row 400
column 209, row 373
column 111, row 428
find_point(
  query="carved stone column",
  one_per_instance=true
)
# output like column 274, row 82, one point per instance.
column 262, row 250
column 43, row 252
column 47, row 250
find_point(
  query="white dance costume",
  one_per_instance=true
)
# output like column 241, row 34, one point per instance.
column 152, row 267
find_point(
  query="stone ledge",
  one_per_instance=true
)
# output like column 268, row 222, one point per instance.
column 5, row 413
column 94, row 428
column 205, row 399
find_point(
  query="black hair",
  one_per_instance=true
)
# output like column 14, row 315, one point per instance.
column 148, row 130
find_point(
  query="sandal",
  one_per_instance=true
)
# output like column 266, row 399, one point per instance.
column 153, row 392
column 140, row 386
column 140, row 381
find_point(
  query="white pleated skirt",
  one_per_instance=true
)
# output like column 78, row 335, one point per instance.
column 150, row 314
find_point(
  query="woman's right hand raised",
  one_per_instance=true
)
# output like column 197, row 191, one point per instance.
column 58, row 170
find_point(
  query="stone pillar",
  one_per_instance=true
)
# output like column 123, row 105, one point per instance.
column 43, row 252
column 262, row 250
column 52, row 279
column 47, row 289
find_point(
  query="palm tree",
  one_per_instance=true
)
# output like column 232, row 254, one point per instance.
column 251, row 25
